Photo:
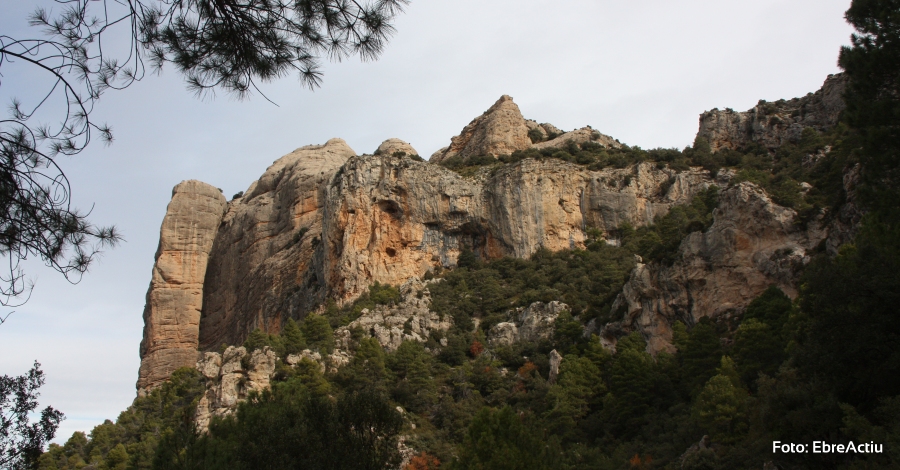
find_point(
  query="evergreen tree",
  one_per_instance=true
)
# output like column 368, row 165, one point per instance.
column 503, row 440
column 318, row 333
column 292, row 337
column 21, row 441
column 721, row 406
column 701, row 355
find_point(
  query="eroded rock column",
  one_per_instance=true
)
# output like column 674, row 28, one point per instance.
column 175, row 296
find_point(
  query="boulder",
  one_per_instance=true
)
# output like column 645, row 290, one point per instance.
column 392, row 146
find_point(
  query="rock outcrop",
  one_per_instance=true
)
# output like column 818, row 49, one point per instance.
column 392, row 146
column 579, row 136
column 772, row 124
column 322, row 223
column 555, row 360
column 753, row 243
column 410, row 320
column 230, row 377
column 532, row 323
column 175, row 296
column 500, row 130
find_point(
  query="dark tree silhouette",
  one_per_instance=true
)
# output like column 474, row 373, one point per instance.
column 90, row 46
column 21, row 442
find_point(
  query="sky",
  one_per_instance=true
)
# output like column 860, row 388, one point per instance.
column 641, row 71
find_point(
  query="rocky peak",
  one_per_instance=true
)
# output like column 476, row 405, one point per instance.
column 500, row 130
column 392, row 146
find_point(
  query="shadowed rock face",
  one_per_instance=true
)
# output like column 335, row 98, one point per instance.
column 262, row 266
column 774, row 124
column 752, row 244
column 174, row 300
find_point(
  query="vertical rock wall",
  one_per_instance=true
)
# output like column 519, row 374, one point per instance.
column 263, row 266
column 175, row 297
column 388, row 219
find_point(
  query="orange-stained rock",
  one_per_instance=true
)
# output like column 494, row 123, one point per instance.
column 174, row 300
column 388, row 219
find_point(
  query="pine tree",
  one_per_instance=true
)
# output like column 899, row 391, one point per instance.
column 292, row 337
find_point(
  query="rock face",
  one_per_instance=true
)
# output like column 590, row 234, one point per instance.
column 410, row 320
column 262, row 267
column 773, row 124
column 500, row 130
column 752, row 244
column 230, row 377
column 323, row 223
column 532, row 323
column 175, row 297
column 388, row 219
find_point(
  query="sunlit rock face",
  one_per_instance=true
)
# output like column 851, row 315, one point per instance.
column 323, row 223
column 389, row 219
column 500, row 130
column 175, row 296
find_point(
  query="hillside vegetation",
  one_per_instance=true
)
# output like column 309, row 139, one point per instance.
column 823, row 367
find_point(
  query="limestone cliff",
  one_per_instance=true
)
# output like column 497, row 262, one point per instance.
column 772, row 124
column 324, row 223
column 175, row 296
column 388, row 218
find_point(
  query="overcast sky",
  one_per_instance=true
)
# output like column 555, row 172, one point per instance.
column 641, row 71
